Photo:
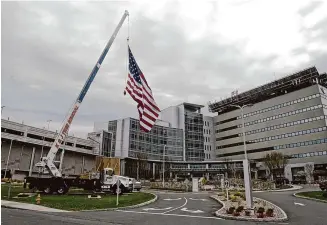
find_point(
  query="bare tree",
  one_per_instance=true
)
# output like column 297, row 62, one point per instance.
column 141, row 161
column 228, row 169
column 275, row 162
column 308, row 169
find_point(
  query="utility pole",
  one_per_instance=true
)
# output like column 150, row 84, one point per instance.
column 246, row 165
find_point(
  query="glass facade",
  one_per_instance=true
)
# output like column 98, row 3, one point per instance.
column 112, row 127
column 152, row 144
column 106, row 145
column 194, row 139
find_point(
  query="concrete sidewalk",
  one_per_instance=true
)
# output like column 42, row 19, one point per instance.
column 26, row 206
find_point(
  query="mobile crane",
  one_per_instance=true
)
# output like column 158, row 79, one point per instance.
column 105, row 180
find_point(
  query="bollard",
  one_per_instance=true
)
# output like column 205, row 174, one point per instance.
column 38, row 199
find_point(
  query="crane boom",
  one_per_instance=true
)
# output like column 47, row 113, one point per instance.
column 48, row 161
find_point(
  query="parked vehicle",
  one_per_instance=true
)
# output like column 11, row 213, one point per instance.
column 134, row 185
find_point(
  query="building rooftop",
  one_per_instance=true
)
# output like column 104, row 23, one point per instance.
column 191, row 106
column 287, row 84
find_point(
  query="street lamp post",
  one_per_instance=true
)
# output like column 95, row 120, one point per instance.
column 49, row 123
column 163, row 167
column 8, row 156
column 246, row 165
column 2, row 108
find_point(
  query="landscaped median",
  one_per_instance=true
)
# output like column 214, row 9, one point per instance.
column 80, row 202
column 234, row 208
column 320, row 196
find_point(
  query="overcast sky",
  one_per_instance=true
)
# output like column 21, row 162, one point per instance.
column 189, row 52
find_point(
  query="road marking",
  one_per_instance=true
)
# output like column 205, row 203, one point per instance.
column 169, row 199
column 177, row 207
column 169, row 214
column 147, row 209
column 297, row 203
column 192, row 211
column 197, row 199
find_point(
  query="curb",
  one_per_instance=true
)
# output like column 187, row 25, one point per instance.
column 281, row 190
column 304, row 197
column 122, row 208
column 92, row 210
column 283, row 219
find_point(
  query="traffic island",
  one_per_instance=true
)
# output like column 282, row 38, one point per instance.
column 234, row 209
column 320, row 196
column 73, row 202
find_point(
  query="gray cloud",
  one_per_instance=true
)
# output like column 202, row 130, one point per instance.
column 49, row 49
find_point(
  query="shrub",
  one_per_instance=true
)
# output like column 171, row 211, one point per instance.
column 230, row 210
column 233, row 198
column 270, row 212
column 238, row 194
column 240, row 209
column 247, row 212
column 324, row 194
column 261, row 210
column 235, row 213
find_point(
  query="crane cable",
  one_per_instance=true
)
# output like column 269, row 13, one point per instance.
column 127, row 55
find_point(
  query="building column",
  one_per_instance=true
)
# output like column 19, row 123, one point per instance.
column 31, row 163
column 154, row 170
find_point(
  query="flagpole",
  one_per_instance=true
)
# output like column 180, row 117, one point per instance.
column 127, row 41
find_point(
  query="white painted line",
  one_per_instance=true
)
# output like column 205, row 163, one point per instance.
column 198, row 199
column 169, row 199
column 168, row 214
column 192, row 211
column 147, row 209
column 297, row 203
column 177, row 207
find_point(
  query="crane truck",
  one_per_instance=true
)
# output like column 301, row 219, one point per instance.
column 52, row 180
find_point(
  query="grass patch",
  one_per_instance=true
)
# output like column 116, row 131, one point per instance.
column 314, row 194
column 77, row 202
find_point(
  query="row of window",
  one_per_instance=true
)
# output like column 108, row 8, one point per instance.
column 206, row 123
column 226, row 121
column 274, row 127
column 302, row 143
column 207, row 147
column 285, row 104
column 155, row 156
column 206, row 131
column 157, row 130
column 207, row 139
column 293, row 134
column 280, row 136
column 288, row 124
column 309, row 154
column 292, row 145
column 290, row 113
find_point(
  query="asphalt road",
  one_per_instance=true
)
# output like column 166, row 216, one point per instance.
column 172, row 208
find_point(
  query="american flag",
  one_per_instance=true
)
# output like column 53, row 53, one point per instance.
column 139, row 90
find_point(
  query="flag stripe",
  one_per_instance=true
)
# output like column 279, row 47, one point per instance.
column 138, row 88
